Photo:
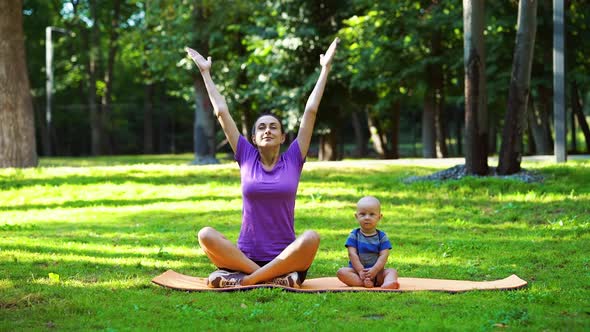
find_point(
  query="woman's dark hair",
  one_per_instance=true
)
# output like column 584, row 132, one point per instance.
column 265, row 114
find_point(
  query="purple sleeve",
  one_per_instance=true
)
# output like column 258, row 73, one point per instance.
column 244, row 150
column 294, row 153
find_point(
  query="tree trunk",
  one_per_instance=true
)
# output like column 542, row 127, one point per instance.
column 41, row 123
column 429, row 111
column 572, row 130
column 543, row 105
column 538, row 125
column 148, row 118
column 246, row 120
column 92, row 69
column 493, row 134
column 376, row 135
column 544, row 115
column 328, row 149
column 17, row 123
column 511, row 148
column 164, row 127
column 577, row 110
column 476, row 115
column 394, row 141
column 458, row 129
column 204, row 126
column 531, row 126
column 106, row 101
column 428, row 127
column 532, row 129
column 360, row 136
column 442, row 150
column 437, row 77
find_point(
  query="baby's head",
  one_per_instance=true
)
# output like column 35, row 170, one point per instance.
column 368, row 212
column 368, row 202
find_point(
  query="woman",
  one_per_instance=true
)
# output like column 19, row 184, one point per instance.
column 267, row 250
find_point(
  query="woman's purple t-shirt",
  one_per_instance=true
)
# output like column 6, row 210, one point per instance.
column 268, row 212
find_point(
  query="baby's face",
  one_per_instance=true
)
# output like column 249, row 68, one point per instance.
column 368, row 215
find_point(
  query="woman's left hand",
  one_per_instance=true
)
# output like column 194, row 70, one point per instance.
column 326, row 59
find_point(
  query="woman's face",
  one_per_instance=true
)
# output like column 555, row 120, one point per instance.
column 268, row 132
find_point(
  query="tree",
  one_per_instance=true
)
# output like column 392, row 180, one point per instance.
column 106, row 100
column 476, row 115
column 437, row 27
column 205, row 122
column 577, row 111
column 578, row 63
column 540, row 110
column 514, row 121
column 96, row 126
column 380, row 69
column 398, row 60
column 17, row 124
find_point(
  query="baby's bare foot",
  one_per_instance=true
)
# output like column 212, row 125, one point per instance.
column 393, row 285
column 368, row 283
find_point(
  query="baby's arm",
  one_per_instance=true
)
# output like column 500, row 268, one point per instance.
column 379, row 265
column 356, row 262
column 353, row 276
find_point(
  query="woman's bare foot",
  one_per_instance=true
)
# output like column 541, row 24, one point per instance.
column 368, row 283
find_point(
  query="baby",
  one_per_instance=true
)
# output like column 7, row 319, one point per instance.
column 368, row 249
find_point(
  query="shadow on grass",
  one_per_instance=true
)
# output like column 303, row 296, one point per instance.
column 197, row 176
column 127, row 247
column 73, row 204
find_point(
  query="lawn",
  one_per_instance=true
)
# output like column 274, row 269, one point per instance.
column 80, row 240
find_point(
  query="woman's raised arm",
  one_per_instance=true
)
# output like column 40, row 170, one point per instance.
column 313, row 102
column 219, row 105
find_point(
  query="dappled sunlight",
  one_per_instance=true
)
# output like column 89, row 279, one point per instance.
column 6, row 284
column 329, row 235
column 43, row 197
column 421, row 265
column 123, row 217
column 173, row 160
column 118, row 175
column 335, row 232
column 100, row 229
column 72, row 282
column 541, row 197
column 55, row 261
column 58, row 246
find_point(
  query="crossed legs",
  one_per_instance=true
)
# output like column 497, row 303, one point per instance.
column 386, row 278
column 298, row 256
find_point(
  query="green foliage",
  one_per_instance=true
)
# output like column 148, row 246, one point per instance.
column 81, row 240
column 266, row 58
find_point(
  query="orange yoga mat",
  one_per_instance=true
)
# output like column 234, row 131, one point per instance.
column 175, row 280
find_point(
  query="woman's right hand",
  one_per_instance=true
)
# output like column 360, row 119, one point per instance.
column 326, row 59
column 200, row 61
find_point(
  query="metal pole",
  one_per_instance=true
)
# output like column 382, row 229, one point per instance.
column 559, row 82
column 48, row 88
column 49, row 82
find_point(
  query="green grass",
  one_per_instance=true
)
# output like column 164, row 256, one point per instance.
column 79, row 246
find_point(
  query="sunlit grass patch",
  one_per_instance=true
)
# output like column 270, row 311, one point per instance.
column 79, row 246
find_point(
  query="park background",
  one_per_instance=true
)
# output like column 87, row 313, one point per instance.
column 121, row 82
column 113, row 201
